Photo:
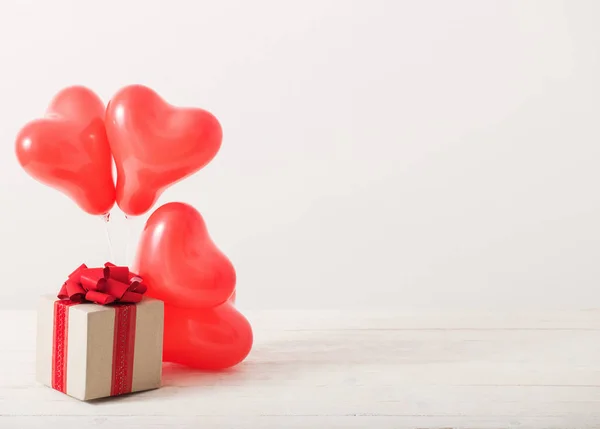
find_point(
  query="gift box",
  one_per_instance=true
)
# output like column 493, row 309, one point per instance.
column 100, row 337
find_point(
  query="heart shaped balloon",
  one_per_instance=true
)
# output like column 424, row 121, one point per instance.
column 208, row 338
column 182, row 266
column 68, row 150
column 179, row 262
column 156, row 144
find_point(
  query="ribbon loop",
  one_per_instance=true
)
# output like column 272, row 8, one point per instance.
column 120, row 274
column 103, row 286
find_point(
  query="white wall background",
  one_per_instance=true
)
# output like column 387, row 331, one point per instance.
column 399, row 153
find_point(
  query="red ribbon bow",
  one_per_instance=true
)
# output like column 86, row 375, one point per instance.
column 103, row 285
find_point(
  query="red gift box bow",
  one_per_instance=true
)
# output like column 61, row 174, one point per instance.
column 103, row 285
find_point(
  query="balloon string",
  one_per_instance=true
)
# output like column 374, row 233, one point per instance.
column 128, row 237
column 106, row 219
column 128, row 221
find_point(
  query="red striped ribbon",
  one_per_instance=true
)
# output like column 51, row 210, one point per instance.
column 59, row 344
column 123, row 347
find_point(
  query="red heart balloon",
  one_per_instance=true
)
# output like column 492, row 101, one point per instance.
column 209, row 338
column 156, row 144
column 179, row 262
column 68, row 150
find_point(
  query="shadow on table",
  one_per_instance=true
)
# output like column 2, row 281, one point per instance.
column 296, row 353
column 179, row 375
column 300, row 351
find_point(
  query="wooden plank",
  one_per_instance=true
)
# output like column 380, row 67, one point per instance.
column 297, row 422
column 436, row 370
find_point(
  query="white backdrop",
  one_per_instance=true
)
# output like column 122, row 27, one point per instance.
column 399, row 153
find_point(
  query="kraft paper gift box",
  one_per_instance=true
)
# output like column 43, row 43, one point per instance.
column 91, row 350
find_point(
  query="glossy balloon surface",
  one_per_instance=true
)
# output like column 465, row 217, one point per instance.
column 179, row 262
column 209, row 338
column 155, row 144
column 182, row 266
column 68, row 150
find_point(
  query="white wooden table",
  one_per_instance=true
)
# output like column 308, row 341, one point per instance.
column 348, row 370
